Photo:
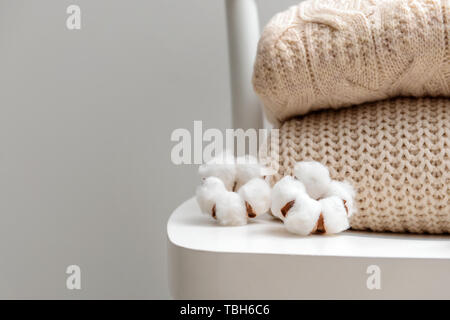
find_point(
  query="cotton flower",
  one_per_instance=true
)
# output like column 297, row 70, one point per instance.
column 302, row 217
column 233, row 190
column 284, row 192
column 247, row 168
column 345, row 192
column 314, row 176
column 256, row 194
column 230, row 209
column 223, row 167
column 334, row 215
column 312, row 202
column 208, row 193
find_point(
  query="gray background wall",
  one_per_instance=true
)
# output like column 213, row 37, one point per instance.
column 85, row 124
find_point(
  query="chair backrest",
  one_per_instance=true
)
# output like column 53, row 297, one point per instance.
column 243, row 36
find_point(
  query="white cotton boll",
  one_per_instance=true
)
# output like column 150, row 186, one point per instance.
column 208, row 192
column 283, row 192
column 334, row 214
column 223, row 167
column 247, row 168
column 315, row 176
column 303, row 216
column 257, row 194
column 230, row 209
column 344, row 191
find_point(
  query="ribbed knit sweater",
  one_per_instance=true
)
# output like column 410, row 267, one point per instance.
column 396, row 154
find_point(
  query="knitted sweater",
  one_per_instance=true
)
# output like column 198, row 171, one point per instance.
column 335, row 53
column 365, row 54
column 396, row 153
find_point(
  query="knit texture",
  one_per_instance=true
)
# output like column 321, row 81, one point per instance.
column 336, row 53
column 396, row 153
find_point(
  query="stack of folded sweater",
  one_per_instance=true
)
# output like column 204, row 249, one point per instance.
column 363, row 87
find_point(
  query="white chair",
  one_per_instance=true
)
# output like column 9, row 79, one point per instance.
column 262, row 260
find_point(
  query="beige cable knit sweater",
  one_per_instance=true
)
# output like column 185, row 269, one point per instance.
column 365, row 55
column 334, row 53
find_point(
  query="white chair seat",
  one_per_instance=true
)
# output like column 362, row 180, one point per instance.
column 262, row 260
